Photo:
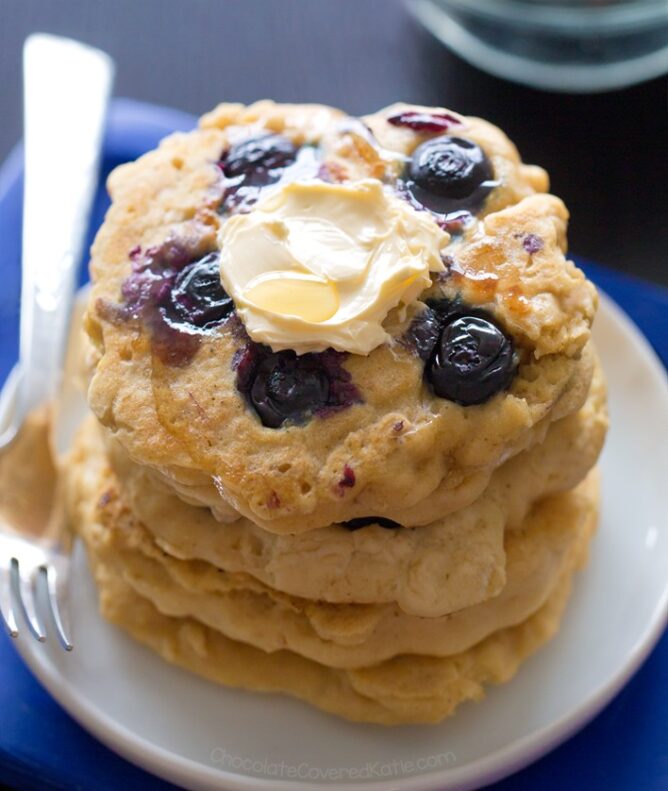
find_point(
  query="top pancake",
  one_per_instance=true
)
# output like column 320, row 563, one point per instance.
column 399, row 444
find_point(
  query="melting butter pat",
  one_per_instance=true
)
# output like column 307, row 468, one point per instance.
column 302, row 297
column 317, row 265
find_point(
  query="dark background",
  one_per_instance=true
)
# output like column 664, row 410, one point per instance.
column 607, row 153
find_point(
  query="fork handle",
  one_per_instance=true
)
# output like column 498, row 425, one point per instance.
column 66, row 92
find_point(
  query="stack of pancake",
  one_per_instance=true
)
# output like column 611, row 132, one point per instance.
column 383, row 562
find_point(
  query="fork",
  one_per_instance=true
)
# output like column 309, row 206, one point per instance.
column 66, row 92
column 28, row 562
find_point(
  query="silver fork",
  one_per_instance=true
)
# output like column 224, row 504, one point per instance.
column 19, row 582
column 66, row 92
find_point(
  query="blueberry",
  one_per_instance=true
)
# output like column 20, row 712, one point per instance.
column 424, row 122
column 424, row 332
column 425, row 329
column 364, row 521
column 288, row 388
column 448, row 174
column 197, row 296
column 253, row 158
column 473, row 361
column 282, row 387
column 172, row 288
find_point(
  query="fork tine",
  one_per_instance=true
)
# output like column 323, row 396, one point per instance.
column 6, row 604
column 56, row 583
column 25, row 591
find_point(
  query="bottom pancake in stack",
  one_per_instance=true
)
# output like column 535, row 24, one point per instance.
column 370, row 662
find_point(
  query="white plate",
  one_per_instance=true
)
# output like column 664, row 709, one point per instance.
column 203, row 736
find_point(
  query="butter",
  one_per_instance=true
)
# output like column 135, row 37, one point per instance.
column 306, row 298
column 317, row 265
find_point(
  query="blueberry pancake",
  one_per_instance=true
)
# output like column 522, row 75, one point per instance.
column 404, row 690
column 309, row 318
column 456, row 561
column 346, row 407
column 538, row 551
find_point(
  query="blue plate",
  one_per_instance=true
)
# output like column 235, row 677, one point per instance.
column 42, row 747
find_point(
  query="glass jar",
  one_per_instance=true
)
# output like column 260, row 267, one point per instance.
column 563, row 45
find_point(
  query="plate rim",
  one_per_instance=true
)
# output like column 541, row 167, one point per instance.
column 493, row 767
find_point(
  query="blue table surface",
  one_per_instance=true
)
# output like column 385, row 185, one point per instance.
column 41, row 747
